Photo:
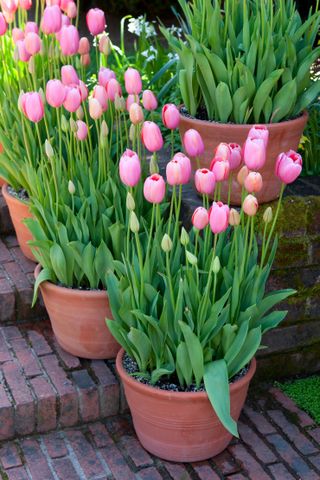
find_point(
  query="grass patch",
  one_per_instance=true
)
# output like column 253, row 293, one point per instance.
column 305, row 392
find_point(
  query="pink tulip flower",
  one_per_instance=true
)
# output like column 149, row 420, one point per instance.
column 235, row 157
column 17, row 34
column 130, row 168
column 51, row 20
column 85, row 59
column 253, row 182
column 95, row 108
column 149, row 100
column 69, row 40
column 154, row 188
column 104, row 45
column 105, row 74
column 288, row 166
column 130, row 100
column 9, row 17
column 219, row 217
column 84, row 46
column 259, row 131
column 200, row 218
column 220, row 168
column 25, row 4
column 96, row 21
column 151, row 136
column 64, row 4
column 9, row 6
column 84, row 92
column 71, row 10
column 254, row 153
column 136, row 114
column 174, row 173
column 55, row 93
column 242, row 175
column 32, row 106
column 73, row 98
column 250, row 205
column 32, row 43
column 31, row 27
column 193, row 143
column 69, row 75
column 3, row 25
column 82, row 131
column 170, row 116
column 24, row 56
column 205, row 181
column 133, row 82
column 186, row 168
column 223, row 151
column 100, row 94
column 113, row 89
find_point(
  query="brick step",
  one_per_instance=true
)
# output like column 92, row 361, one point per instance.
column 43, row 388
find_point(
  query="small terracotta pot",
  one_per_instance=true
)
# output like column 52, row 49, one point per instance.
column 18, row 211
column 78, row 320
column 179, row 426
column 283, row 136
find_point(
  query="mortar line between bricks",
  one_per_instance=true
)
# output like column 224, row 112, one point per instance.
column 48, row 459
column 73, row 457
column 104, row 464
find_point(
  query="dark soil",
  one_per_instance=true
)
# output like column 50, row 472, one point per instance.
column 20, row 195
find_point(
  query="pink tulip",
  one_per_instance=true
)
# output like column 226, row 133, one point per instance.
column 130, row 168
column 154, row 188
column 200, row 218
column 220, row 168
column 84, row 92
column 9, row 6
column 71, row 10
column 73, row 98
column 100, row 94
column 105, row 74
column 104, row 45
column 235, row 157
column 69, row 40
column 85, row 59
column 242, row 175
column 113, row 89
column 204, row 181
column 24, row 56
column 96, row 21
column 32, row 43
column 55, row 93
column 64, row 4
column 253, row 182
column 259, row 131
column 84, row 46
column 3, row 25
column 69, row 75
column 149, row 100
column 130, row 100
column 95, row 108
column 136, row 114
column 219, row 217
column 185, row 163
column 170, row 116
column 51, row 20
column 223, row 151
column 250, row 205
column 288, row 166
column 174, row 173
column 133, row 82
column 65, row 22
column 32, row 106
column 193, row 143
column 25, row 4
column 151, row 136
column 9, row 17
column 254, row 153
column 31, row 27
column 82, row 131
column 17, row 34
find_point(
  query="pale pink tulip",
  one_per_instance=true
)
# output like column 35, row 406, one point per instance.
column 223, row 151
column 32, row 43
column 193, row 143
column 242, row 175
column 82, row 131
column 288, row 166
column 220, row 168
column 73, row 98
column 149, row 100
column 105, row 74
column 51, row 20
column 204, row 181
column 136, row 114
column 129, row 168
column 174, row 173
column 130, row 100
column 17, row 34
column 254, row 153
column 71, row 10
column 100, row 94
column 24, row 56
column 219, row 217
column 185, row 163
column 154, row 188
column 96, row 21
column 133, row 82
column 151, row 136
column 250, row 205
column 170, row 116
column 95, row 108
column 84, row 46
column 259, row 131
column 55, row 93
column 32, row 106
column 253, row 182
column 9, row 6
column 104, row 45
column 25, row 4
column 69, row 75
column 31, row 27
column 69, row 40
column 85, row 59
column 84, row 92
column 200, row 218
column 235, row 157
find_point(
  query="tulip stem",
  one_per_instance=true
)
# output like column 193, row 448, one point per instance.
column 283, row 186
column 229, row 188
column 173, row 198
column 172, row 143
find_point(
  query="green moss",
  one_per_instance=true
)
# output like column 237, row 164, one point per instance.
column 305, row 393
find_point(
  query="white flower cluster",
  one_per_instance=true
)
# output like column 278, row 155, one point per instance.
column 177, row 31
column 140, row 25
column 150, row 54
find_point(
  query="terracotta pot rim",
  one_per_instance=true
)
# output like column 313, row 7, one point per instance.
column 304, row 116
column 164, row 394
column 13, row 199
column 71, row 292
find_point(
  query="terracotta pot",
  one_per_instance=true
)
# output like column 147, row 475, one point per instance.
column 18, row 211
column 78, row 320
column 178, row 426
column 283, row 136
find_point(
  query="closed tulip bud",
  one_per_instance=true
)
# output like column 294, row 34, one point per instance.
column 174, row 173
column 104, row 45
column 113, row 89
column 69, row 40
column 254, row 153
column 23, row 55
column 259, row 131
column 151, row 136
column 220, row 168
column 267, row 216
column 184, row 237
column 95, row 109
column 71, row 10
column 48, row 149
column 84, row 46
column 166, row 243
column 130, row 203
column 100, row 94
column 96, row 21
column 223, row 151
column 104, row 132
column 105, row 74
column 73, row 125
column 10, row 6
column 242, row 175
column 170, row 116
column 234, row 217
column 132, row 132
column 17, row 34
column 73, row 98
column 64, row 124
column 71, row 187
column 149, row 100
column 80, row 113
column 69, row 75
column 134, row 222
column 31, row 27
column 154, row 188
column 32, row 66
column 130, row 168
column 192, row 259
column 82, row 130
column 84, row 92
column 288, row 166
column 32, row 43
column 136, row 114
column 185, row 164
column 51, row 20
column 204, row 181
column 216, row 265
column 119, row 103
column 25, row 4
column 235, row 157
column 219, row 217
column 253, row 182
column 3, row 25
column 193, row 143
column 200, row 218
column 250, row 205
column 133, row 82
column 55, row 93
column 85, row 59
column 32, row 106
column 130, row 100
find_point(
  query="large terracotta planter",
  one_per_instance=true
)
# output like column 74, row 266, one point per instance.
column 283, row 136
column 177, row 426
column 18, row 211
column 78, row 320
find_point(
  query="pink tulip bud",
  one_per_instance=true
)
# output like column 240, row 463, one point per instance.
column 95, row 108
column 234, row 217
column 82, row 131
column 113, row 89
column 151, row 136
column 235, row 157
column 32, row 43
column 219, row 217
column 69, row 40
column 223, row 151
column 105, row 74
column 31, row 27
column 185, row 163
column 51, row 20
column 9, row 6
column 3, row 25
column 149, row 100
column 193, row 143
column 83, row 90
column 55, row 93
column 200, row 218
column 71, row 10
column 204, row 181
column 64, row 4
column 254, row 153
column 130, row 100
column 69, row 75
column 133, row 82
column 104, row 45
column 288, row 166
column 84, row 46
column 220, row 168
column 25, row 4
column 96, row 21
column 100, row 94
column 242, row 175
column 170, row 116
column 136, row 114
column 250, row 205
column 259, row 131
column 174, row 173
column 32, row 106
column 17, row 34
column 253, row 182
column 130, row 168
column 85, row 59
column 154, row 188
column 24, row 56
column 9, row 17
column 73, row 98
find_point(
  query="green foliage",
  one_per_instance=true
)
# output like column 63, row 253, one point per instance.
column 305, row 393
column 248, row 62
column 310, row 142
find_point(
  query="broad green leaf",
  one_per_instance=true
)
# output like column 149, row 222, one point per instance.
column 223, row 101
column 195, row 351
column 284, row 101
column 263, row 92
